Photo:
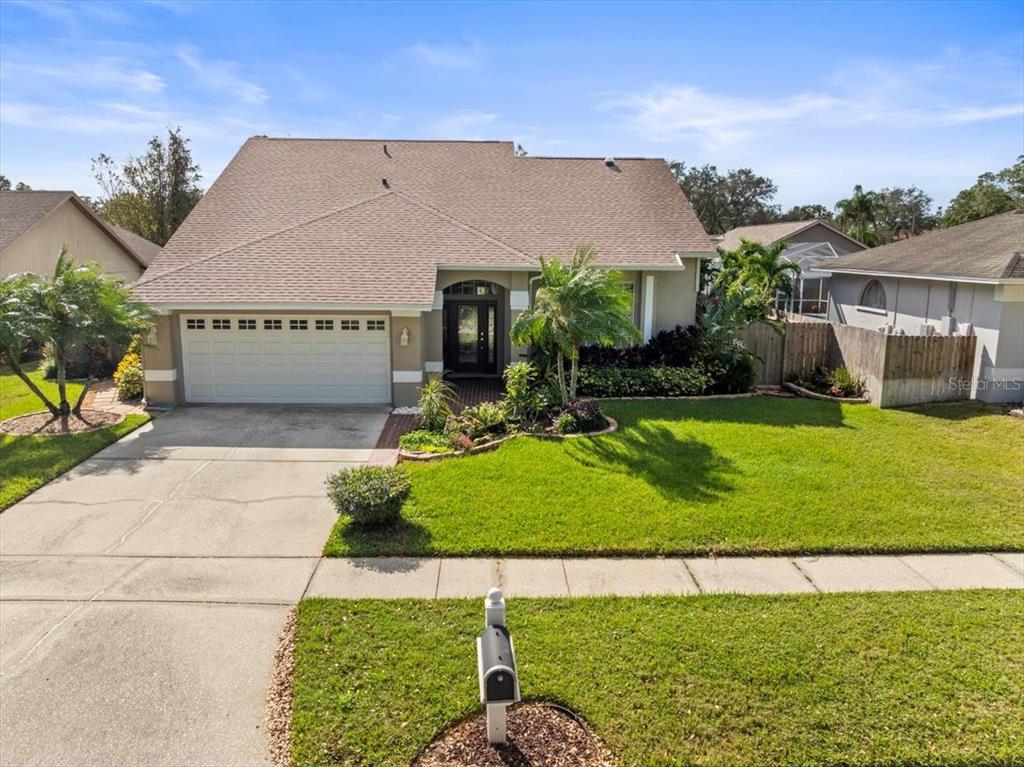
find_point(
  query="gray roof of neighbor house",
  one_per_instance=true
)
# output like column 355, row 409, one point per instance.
column 20, row 211
column 769, row 234
column 988, row 249
column 369, row 222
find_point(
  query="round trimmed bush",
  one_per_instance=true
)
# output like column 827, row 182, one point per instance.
column 371, row 495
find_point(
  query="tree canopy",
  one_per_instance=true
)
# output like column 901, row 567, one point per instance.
column 150, row 195
column 723, row 202
column 992, row 193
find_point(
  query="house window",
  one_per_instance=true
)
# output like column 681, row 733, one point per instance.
column 324, row 324
column 191, row 324
column 271, row 324
column 478, row 288
column 222, row 324
column 298, row 324
column 375, row 324
column 247, row 324
column 348, row 324
column 873, row 296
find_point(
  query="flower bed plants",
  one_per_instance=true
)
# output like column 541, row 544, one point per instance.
column 838, row 384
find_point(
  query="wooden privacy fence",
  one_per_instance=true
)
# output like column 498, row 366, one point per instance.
column 897, row 370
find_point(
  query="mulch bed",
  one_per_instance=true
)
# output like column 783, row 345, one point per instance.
column 278, row 721
column 539, row 735
column 44, row 424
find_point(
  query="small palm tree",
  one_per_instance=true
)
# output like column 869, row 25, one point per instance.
column 857, row 215
column 79, row 307
column 576, row 304
column 761, row 273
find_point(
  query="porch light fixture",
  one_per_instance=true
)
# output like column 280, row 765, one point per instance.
column 404, row 340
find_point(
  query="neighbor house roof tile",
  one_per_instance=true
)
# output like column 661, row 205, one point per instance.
column 312, row 220
column 983, row 249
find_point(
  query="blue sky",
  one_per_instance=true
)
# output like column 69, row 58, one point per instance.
column 817, row 96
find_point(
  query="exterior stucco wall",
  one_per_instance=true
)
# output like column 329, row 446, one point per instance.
column 36, row 250
column 819, row 233
column 912, row 303
column 675, row 297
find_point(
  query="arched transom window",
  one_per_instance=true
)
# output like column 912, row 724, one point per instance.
column 478, row 288
column 873, row 296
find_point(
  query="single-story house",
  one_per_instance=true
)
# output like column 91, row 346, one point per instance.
column 811, row 245
column 968, row 280
column 345, row 271
column 34, row 225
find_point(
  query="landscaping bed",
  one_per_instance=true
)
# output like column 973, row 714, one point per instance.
column 907, row 678
column 45, row 424
column 760, row 475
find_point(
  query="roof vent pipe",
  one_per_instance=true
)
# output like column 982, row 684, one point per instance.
column 609, row 161
column 384, row 181
column 386, row 152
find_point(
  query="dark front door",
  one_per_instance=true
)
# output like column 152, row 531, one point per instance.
column 471, row 336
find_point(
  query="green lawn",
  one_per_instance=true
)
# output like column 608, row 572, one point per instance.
column 911, row 678
column 17, row 399
column 30, row 462
column 760, row 475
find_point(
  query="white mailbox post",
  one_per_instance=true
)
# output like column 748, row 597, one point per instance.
column 496, row 666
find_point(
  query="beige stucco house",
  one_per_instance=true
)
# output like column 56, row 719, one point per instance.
column 345, row 271
column 34, row 225
column 966, row 280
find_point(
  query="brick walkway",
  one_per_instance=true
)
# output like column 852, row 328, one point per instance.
column 103, row 396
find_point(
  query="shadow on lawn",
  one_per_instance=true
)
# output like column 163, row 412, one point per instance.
column 406, row 539
column 680, row 468
column 958, row 411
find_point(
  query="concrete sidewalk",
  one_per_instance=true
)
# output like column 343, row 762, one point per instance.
column 285, row 580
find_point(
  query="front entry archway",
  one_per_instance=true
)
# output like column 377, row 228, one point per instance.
column 472, row 327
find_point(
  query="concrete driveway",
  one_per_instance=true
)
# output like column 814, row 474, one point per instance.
column 141, row 593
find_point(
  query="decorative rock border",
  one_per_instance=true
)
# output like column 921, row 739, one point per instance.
column 815, row 395
column 404, row 455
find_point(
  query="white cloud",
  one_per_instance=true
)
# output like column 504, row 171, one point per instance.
column 465, row 125
column 670, row 112
column 95, row 72
column 447, row 56
column 222, row 76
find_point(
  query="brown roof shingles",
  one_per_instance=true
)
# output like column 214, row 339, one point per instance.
column 310, row 220
column 983, row 249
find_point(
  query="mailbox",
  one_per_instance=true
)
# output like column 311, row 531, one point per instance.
column 497, row 666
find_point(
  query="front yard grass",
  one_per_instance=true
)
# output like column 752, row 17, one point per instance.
column 17, row 399
column 910, row 678
column 28, row 463
column 744, row 476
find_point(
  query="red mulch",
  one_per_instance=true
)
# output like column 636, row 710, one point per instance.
column 539, row 735
column 44, row 424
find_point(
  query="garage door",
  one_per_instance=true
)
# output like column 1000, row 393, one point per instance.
column 308, row 359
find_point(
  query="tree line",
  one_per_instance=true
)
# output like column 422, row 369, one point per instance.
column 743, row 198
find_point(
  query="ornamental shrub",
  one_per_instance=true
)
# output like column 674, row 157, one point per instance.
column 565, row 423
column 435, row 403
column 586, row 414
column 485, row 419
column 643, row 382
column 423, row 441
column 674, row 348
column 371, row 495
column 128, row 377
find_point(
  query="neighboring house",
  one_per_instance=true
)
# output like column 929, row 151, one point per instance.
column 344, row 271
column 967, row 280
column 35, row 225
column 810, row 245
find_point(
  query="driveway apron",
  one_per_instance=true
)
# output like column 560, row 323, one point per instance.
column 141, row 594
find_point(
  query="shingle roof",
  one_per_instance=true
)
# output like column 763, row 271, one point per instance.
column 146, row 251
column 19, row 211
column 311, row 220
column 984, row 249
column 769, row 234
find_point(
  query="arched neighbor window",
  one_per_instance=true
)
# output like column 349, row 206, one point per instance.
column 873, row 296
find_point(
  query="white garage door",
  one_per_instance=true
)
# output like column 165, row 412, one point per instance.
column 311, row 358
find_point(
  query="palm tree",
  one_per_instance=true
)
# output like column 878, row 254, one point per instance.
column 857, row 215
column 576, row 304
column 78, row 308
column 767, row 271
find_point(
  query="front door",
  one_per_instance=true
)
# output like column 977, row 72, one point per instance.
column 471, row 336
